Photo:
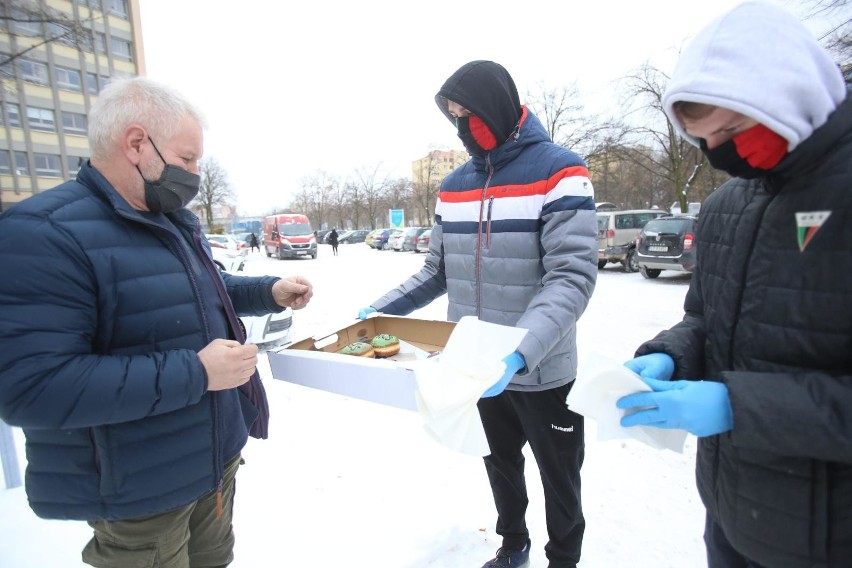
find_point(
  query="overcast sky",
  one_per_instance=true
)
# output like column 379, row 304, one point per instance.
column 292, row 88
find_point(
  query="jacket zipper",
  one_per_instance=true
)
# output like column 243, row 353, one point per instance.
column 219, row 469
column 479, row 236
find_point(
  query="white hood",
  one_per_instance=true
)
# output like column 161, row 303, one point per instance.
column 760, row 61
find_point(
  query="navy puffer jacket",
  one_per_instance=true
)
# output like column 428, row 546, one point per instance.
column 102, row 319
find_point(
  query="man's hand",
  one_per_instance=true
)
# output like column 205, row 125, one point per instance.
column 364, row 312
column 293, row 292
column 514, row 362
column 658, row 366
column 228, row 363
column 702, row 408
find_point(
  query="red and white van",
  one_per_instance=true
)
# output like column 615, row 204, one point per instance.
column 288, row 235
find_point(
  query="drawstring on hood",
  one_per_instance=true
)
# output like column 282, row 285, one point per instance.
column 487, row 90
column 790, row 87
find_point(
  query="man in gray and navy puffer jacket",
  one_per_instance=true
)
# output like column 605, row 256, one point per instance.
column 122, row 356
column 515, row 244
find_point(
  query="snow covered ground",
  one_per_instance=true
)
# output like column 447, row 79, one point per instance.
column 343, row 482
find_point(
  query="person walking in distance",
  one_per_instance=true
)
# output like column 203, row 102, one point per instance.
column 332, row 240
column 123, row 357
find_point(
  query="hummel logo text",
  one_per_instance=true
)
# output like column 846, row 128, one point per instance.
column 562, row 428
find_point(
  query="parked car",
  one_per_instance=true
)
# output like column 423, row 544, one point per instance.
column 409, row 238
column 423, row 241
column 229, row 242
column 226, row 259
column 353, row 237
column 270, row 330
column 667, row 243
column 381, row 242
column 617, row 232
column 370, row 241
column 393, row 239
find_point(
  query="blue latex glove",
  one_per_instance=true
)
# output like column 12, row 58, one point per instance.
column 658, row 366
column 365, row 312
column 514, row 363
column 702, row 408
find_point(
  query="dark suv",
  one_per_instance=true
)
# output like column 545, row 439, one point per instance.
column 666, row 243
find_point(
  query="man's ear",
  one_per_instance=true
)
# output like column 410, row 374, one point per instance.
column 132, row 139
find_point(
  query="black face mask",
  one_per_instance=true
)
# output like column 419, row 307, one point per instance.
column 477, row 143
column 750, row 154
column 174, row 189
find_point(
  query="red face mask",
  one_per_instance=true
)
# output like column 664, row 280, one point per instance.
column 749, row 154
column 475, row 135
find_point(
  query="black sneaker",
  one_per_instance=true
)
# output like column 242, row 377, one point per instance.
column 508, row 558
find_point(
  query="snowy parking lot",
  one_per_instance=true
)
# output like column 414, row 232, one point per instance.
column 345, row 482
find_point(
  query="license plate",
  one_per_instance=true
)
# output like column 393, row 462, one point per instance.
column 658, row 248
column 301, row 252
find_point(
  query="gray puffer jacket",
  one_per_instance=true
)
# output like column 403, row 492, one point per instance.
column 514, row 244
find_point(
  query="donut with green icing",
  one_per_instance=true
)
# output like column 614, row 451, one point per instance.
column 358, row 349
column 385, row 345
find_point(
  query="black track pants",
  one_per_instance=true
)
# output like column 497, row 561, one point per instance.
column 555, row 435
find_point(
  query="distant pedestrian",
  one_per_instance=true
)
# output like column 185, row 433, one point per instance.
column 332, row 240
column 253, row 243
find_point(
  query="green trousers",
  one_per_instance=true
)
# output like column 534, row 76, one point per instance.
column 189, row 537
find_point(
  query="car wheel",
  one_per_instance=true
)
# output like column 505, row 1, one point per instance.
column 278, row 253
column 650, row 272
column 630, row 262
column 601, row 264
column 268, row 254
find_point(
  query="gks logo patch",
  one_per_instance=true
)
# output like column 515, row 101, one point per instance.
column 807, row 224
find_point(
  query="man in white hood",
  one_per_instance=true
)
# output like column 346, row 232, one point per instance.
column 764, row 351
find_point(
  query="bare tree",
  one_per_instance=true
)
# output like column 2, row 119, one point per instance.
column 317, row 196
column 837, row 38
column 428, row 174
column 215, row 189
column 567, row 122
column 366, row 192
column 32, row 24
column 671, row 158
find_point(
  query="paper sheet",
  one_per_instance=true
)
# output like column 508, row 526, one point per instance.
column 449, row 388
column 600, row 383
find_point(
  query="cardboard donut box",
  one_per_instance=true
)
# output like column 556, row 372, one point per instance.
column 314, row 361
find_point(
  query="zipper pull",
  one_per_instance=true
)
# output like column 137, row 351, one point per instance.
column 219, row 501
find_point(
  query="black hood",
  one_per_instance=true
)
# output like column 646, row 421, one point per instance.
column 487, row 90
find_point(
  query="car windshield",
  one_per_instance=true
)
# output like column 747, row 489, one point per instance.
column 294, row 229
column 674, row 226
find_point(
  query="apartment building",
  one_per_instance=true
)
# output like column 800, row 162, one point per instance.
column 431, row 169
column 55, row 57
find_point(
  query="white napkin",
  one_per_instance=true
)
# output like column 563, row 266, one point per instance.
column 599, row 384
column 448, row 388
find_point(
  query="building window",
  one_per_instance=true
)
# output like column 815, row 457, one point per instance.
column 74, row 123
column 69, row 79
column 118, row 8
column 13, row 115
column 96, row 4
column 61, row 33
column 41, row 119
column 100, row 42
column 22, row 168
column 92, row 83
column 33, row 71
column 48, row 165
column 74, row 163
column 5, row 163
column 121, row 49
column 23, row 26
